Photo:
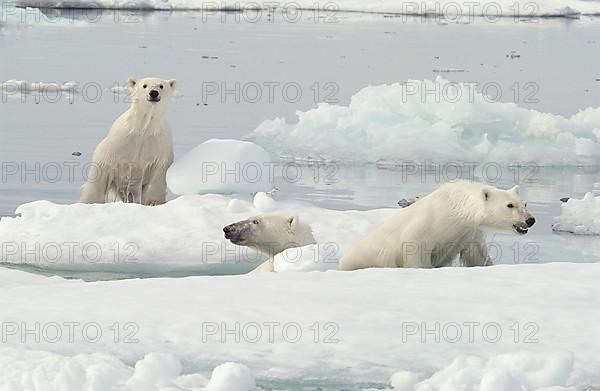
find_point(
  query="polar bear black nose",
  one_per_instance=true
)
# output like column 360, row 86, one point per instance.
column 153, row 94
column 229, row 229
column 530, row 221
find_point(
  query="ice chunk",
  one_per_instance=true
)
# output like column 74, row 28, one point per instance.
column 579, row 216
column 392, row 124
column 154, row 371
column 231, row 377
column 37, row 87
column 221, row 167
column 263, row 202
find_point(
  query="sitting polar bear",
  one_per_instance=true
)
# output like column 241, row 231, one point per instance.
column 446, row 224
column 270, row 234
column 131, row 163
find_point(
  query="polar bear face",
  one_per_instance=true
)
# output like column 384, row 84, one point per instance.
column 151, row 91
column 505, row 210
column 270, row 233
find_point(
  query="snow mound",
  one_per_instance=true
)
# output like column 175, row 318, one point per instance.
column 263, row 202
column 221, row 167
column 231, row 377
column 41, row 370
column 580, row 217
column 509, row 371
column 156, row 370
column 392, row 124
column 490, row 8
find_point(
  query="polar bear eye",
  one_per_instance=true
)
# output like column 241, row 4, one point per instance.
column 144, row 86
column 510, row 206
column 254, row 221
column 161, row 86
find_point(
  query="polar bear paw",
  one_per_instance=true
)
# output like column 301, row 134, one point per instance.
column 153, row 203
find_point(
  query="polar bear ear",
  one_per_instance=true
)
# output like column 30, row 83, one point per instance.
column 172, row 83
column 515, row 189
column 131, row 82
column 485, row 194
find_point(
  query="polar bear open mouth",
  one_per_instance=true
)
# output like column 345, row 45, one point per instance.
column 521, row 228
column 153, row 100
column 235, row 239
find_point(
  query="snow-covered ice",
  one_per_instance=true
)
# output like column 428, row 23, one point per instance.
column 222, row 167
column 530, row 328
column 396, row 123
column 184, row 234
column 579, row 216
column 23, row 86
column 489, row 8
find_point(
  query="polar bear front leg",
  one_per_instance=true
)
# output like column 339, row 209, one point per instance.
column 266, row 267
column 155, row 192
column 475, row 253
column 415, row 255
column 95, row 189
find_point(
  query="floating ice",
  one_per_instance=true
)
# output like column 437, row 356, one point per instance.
column 39, row 87
column 222, row 167
column 185, row 234
column 492, row 9
column 579, row 216
column 394, row 124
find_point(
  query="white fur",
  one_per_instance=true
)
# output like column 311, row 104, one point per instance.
column 448, row 223
column 131, row 163
column 270, row 234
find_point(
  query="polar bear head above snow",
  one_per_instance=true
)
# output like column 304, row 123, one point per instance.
column 270, row 233
column 151, row 91
column 505, row 210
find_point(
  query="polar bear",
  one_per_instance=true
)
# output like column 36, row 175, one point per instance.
column 270, row 234
column 450, row 222
column 131, row 163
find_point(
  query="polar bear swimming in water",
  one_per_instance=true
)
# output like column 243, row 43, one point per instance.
column 131, row 163
column 450, row 222
column 270, row 234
